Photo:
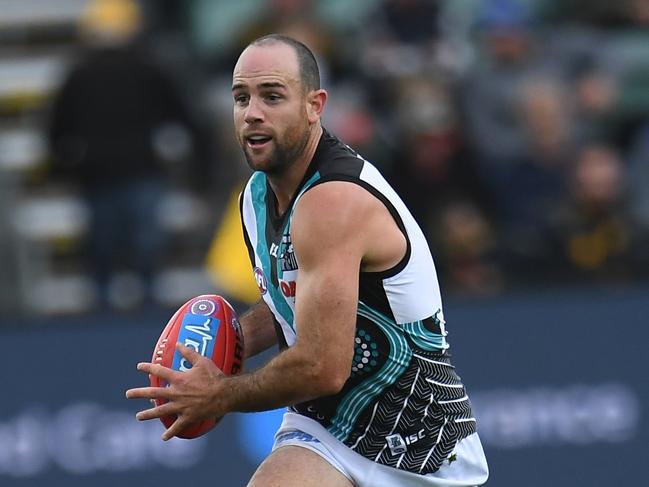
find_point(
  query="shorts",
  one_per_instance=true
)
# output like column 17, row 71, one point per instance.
column 469, row 468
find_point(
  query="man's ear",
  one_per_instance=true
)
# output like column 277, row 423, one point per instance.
column 316, row 101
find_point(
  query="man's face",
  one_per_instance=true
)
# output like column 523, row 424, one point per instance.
column 270, row 108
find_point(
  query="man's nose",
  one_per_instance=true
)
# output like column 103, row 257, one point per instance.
column 253, row 112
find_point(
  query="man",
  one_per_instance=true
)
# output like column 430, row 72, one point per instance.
column 349, row 283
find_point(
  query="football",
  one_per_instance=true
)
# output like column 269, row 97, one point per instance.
column 209, row 325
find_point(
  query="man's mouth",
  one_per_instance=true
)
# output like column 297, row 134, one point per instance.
column 257, row 141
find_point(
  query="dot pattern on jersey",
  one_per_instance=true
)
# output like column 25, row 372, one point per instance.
column 365, row 354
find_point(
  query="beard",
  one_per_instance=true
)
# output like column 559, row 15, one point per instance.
column 283, row 155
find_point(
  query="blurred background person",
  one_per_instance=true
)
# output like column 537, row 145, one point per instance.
column 467, row 250
column 117, row 123
column 430, row 165
column 401, row 37
column 519, row 125
column 593, row 228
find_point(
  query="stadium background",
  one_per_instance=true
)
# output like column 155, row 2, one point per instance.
column 517, row 131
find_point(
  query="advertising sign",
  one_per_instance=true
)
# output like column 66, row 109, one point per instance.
column 558, row 384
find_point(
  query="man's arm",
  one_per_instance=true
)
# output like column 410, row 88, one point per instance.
column 330, row 247
column 258, row 329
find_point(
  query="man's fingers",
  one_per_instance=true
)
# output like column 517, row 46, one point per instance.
column 156, row 412
column 179, row 425
column 158, row 370
column 148, row 393
column 189, row 353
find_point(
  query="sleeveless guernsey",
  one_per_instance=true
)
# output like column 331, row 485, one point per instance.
column 403, row 404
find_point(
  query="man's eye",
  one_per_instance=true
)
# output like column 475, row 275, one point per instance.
column 273, row 97
column 240, row 99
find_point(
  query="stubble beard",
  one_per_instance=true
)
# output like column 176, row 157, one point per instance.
column 282, row 157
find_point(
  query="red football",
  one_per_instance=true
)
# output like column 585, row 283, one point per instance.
column 209, row 325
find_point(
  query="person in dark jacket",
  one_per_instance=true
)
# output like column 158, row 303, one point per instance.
column 107, row 120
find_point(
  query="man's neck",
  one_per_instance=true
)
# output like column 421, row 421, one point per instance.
column 284, row 186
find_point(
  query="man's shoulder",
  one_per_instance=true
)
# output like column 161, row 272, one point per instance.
column 336, row 197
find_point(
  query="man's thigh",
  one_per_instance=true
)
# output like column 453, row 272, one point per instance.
column 293, row 466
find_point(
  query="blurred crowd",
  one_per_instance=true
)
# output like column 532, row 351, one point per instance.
column 517, row 131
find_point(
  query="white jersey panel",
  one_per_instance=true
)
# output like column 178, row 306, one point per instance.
column 414, row 292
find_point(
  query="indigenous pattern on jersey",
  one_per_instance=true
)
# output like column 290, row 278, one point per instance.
column 403, row 404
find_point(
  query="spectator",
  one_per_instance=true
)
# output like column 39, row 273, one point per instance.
column 114, row 122
column 430, row 165
column 519, row 123
column 509, row 58
column 401, row 38
column 593, row 231
column 534, row 184
column 467, row 250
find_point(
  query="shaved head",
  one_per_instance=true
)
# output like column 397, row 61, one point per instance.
column 307, row 64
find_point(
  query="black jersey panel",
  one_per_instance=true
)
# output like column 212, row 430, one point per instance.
column 246, row 238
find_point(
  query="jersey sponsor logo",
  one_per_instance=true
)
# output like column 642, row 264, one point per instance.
column 274, row 249
column 287, row 260
column 297, row 436
column 399, row 444
column 260, row 279
column 396, row 444
column 288, row 288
